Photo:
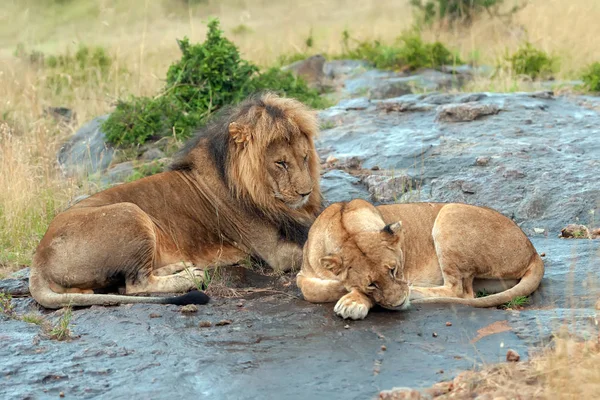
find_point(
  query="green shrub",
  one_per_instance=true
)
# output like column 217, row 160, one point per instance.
column 532, row 62
column 287, row 84
column 409, row 51
column 208, row 76
column 459, row 11
column 591, row 78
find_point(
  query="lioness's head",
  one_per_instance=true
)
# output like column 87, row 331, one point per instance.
column 272, row 157
column 367, row 253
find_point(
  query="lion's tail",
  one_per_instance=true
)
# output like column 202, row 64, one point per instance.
column 40, row 289
column 527, row 285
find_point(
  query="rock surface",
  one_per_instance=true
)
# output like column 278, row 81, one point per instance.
column 535, row 160
column 87, row 151
column 276, row 343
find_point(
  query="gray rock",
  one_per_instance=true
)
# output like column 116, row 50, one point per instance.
column 118, row 173
column 387, row 189
column 465, row 112
column 20, row 274
column 377, row 84
column 14, row 287
column 310, row 69
column 152, row 154
column 338, row 185
column 339, row 69
column 87, row 151
column 61, row 114
column 541, row 174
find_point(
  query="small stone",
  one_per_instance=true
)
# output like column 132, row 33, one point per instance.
column 331, row 160
column 375, row 168
column 482, row 161
column 400, row 394
column 240, row 304
column 575, row 231
column 448, row 323
column 542, row 254
column 528, row 122
column 383, row 347
column 513, row 174
column 152, row 154
column 224, row 322
column 512, row 356
column 346, row 326
column 62, row 394
column 189, row 309
column 465, row 112
column 539, row 230
column 434, row 334
column 441, row 371
column 204, row 324
column 155, row 315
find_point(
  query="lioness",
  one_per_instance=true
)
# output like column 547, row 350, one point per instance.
column 248, row 185
column 359, row 255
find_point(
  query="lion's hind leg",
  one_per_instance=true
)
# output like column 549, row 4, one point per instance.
column 317, row 290
column 180, row 282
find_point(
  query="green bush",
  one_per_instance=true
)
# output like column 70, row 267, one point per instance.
column 459, row 11
column 287, row 84
column 408, row 52
column 591, row 78
column 532, row 62
column 208, row 76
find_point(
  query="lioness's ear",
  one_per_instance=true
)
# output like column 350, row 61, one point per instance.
column 239, row 133
column 332, row 263
column 394, row 228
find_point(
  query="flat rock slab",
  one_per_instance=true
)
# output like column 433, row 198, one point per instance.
column 279, row 346
column 531, row 156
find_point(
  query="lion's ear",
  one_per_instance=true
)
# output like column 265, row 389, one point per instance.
column 333, row 263
column 394, row 228
column 392, row 231
column 240, row 134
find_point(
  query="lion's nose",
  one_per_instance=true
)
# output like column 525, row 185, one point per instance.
column 305, row 194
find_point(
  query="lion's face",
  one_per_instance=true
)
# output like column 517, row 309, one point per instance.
column 288, row 173
column 373, row 263
column 273, row 158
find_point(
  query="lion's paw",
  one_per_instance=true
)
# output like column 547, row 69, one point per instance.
column 349, row 307
column 193, row 273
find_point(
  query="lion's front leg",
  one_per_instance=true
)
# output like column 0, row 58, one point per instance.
column 282, row 256
column 354, row 305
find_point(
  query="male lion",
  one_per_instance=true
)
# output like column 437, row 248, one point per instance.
column 359, row 255
column 248, row 185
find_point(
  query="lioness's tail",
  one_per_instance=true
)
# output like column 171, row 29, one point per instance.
column 527, row 285
column 40, row 289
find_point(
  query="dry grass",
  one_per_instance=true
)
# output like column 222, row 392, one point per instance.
column 570, row 370
column 140, row 36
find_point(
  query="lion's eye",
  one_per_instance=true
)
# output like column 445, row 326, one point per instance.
column 394, row 271
column 282, row 164
column 373, row 286
column 306, row 158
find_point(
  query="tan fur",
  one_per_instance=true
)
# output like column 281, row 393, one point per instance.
column 226, row 199
column 352, row 257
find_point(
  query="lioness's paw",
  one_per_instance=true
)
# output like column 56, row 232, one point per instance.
column 351, row 308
